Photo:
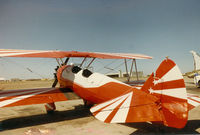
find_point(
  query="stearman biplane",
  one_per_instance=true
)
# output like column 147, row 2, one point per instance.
column 162, row 98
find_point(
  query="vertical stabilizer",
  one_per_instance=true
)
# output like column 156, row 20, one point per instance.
column 168, row 85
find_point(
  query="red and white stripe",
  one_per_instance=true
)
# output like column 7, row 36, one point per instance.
column 107, row 111
column 12, row 96
column 134, row 106
column 168, row 85
column 193, row 101
column 168, row 81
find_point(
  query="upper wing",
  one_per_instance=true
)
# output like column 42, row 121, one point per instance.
column 9, row 98
column 62, row 54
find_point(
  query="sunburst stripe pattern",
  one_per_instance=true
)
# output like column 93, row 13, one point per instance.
column 13, row 98
column 168, row 81
column 193, row 100
column 115, row 110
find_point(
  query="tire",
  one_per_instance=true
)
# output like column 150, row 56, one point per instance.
column 51, row 112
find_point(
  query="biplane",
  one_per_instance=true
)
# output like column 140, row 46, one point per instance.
column 162, row 98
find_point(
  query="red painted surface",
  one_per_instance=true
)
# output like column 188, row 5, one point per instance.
column 62, row 54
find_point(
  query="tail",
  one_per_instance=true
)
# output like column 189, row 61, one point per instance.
column 196, row 60
column 162, row 98
column 168, row 85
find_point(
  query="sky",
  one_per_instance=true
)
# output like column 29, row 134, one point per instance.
column 157, row 28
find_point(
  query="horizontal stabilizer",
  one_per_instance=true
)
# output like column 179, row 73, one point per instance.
column 135, row 106
column 193, row 101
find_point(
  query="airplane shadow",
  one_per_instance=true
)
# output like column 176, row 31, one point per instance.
column 146, row 128
column 80, row 111
column 21, row 122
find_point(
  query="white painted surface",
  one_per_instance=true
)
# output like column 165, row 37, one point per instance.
column 93, row 81
column 121, row 115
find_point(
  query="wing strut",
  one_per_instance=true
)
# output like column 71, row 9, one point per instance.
column 90, row 63
column 58, row 62
column 128, row 76
column 131, row 70
column 83, row 61
column 136, row 70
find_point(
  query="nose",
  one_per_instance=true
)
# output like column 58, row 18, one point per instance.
column 65, row 76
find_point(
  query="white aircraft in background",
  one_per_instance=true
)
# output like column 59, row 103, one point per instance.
column 196, row 57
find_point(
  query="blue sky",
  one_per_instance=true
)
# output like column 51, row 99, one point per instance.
column 157, row 28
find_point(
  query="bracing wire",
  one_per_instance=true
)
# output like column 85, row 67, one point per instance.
column 107, row 65
column 111, row 69
column 21, row 66
column 118, row 66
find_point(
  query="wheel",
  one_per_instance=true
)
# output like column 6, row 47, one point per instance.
column 50, row 112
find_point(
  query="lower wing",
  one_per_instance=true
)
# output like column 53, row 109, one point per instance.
column 9, row 98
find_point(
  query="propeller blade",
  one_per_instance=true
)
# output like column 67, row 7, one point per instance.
column 55, row 83
column 55, row 77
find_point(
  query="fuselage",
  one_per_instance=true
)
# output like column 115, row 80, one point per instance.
column 92, row 87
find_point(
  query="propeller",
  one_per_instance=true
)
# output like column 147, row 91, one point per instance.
column 55, row 77
column 55, row 74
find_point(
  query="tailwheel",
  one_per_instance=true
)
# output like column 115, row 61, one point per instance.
column 87, row 104
column 50, row 108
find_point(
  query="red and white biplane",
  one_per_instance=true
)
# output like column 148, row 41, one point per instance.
column 162, row 98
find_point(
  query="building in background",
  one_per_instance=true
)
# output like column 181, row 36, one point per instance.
column 124, row 74
column 2, row 79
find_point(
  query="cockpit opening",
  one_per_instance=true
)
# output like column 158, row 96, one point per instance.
column 76, row 69
column 86, row 73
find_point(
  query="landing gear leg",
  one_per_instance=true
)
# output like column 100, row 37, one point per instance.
column 87, row 104
column 50, row 107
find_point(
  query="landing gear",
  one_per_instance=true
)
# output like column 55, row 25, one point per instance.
column 50, row 108
column 87, row 104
